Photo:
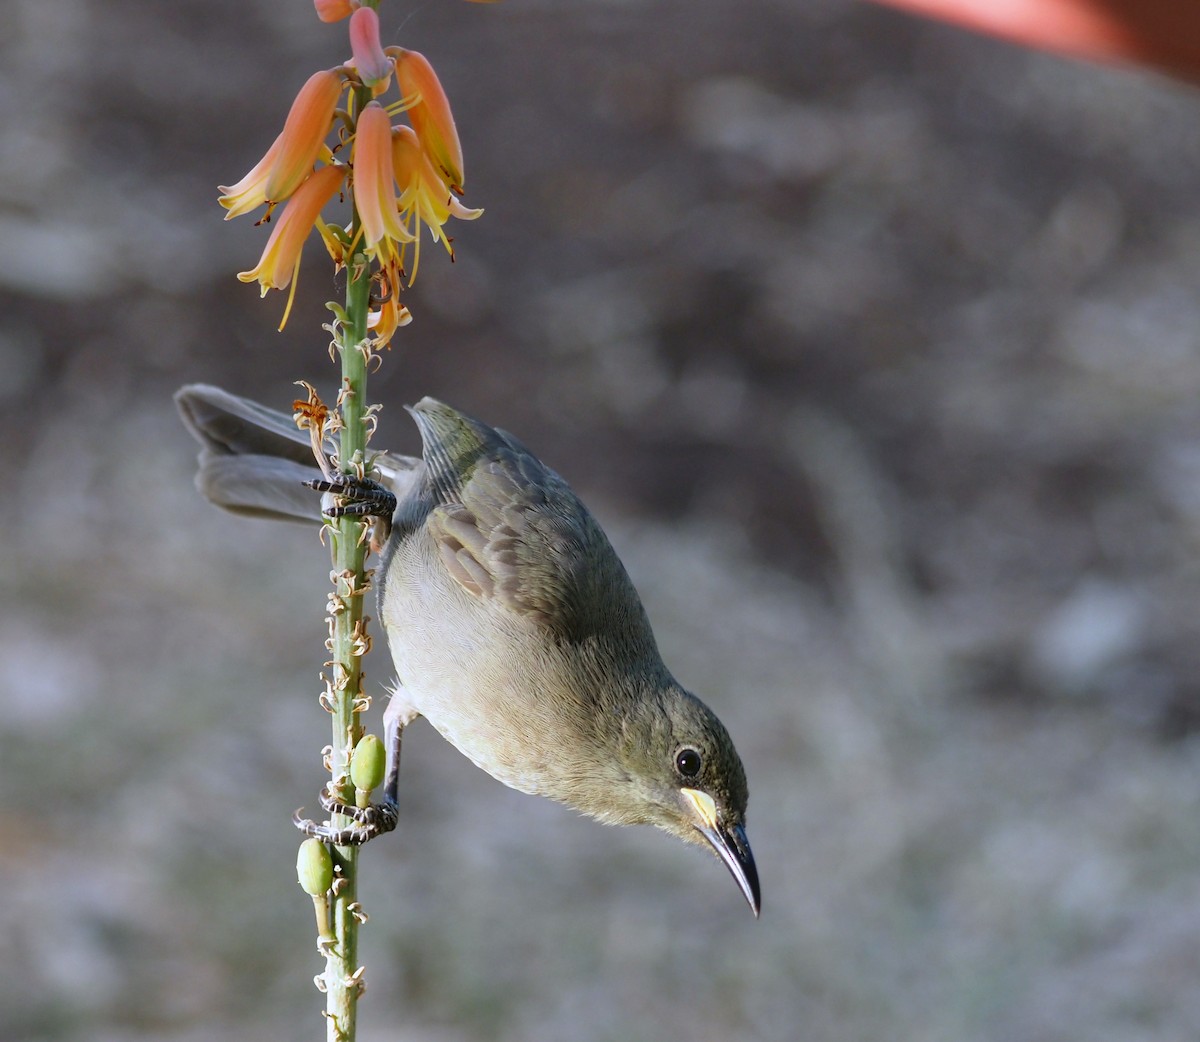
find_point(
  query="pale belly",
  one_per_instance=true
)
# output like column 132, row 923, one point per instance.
column 477, row 673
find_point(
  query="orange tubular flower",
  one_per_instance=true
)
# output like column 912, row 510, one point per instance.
column 281, row 258
column 373, row 66
column 430, row 115
column 375, row 183
column 424, row 194
column 308, row 124
column 290, row 159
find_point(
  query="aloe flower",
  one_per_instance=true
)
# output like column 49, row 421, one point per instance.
column 424, row 198
column 429, row 112
column 308, row 125
column 375, row 183
column 281, row 258
column 397, row 178
column 289, row 161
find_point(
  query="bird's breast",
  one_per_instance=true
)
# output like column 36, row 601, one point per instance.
column 486, row 678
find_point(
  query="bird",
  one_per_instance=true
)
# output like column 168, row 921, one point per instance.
column 514, row 628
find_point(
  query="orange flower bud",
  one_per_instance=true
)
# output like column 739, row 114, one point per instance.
column 430, row 115
column 333, row 10
column 373, row 66
column 308, row 124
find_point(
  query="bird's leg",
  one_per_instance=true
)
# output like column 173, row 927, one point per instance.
column 360, row 497
column 371, row 821
column 393, row 731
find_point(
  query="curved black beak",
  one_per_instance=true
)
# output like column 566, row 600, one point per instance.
column 729, row 842
column 733, row 848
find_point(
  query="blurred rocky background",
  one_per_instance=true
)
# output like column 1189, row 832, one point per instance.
column 877, row 348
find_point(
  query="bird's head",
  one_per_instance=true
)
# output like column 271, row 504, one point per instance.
column 686, row 777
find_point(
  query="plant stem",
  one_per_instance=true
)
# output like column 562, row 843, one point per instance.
column 342, row 974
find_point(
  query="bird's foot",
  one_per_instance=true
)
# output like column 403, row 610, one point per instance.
column 357, row 497
column 369, row 822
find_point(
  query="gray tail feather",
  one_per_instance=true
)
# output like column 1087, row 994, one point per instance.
column 231, row 426
column 254, row 460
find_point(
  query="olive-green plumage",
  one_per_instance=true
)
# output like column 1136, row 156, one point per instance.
column 514, row 627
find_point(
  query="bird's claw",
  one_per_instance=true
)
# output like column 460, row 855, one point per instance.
column 360, row 497
column 369, row 822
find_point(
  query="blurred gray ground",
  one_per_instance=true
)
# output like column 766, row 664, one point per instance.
column 877, row 348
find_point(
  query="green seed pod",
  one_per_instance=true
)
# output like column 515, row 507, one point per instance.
column 314, row 867
column 368, row 763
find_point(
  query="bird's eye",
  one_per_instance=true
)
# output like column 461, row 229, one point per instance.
column 687, row 762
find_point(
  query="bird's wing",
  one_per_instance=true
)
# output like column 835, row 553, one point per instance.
column 508, row 528
column 532, row 548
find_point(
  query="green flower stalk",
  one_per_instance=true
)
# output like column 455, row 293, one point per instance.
column 339, row 139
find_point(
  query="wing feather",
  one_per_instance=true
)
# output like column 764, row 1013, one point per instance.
column 509, row 529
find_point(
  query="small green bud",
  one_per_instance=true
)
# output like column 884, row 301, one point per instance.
column 368, row 763
column 314, row 867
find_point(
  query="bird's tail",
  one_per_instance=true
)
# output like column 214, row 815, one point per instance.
column 254, row 460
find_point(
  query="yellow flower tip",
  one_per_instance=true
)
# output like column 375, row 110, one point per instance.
column 423, row 189
column 250, row 192
column 463, row 213
column 374, row 67
column 308, row 124
column 431, row 117
column 334, row 10
column 281, row 256
column 375, row 182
